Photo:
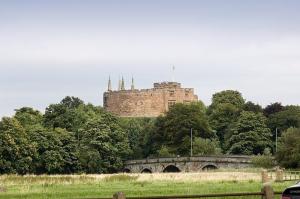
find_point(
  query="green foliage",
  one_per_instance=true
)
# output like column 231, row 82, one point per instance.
column 164, row 152
column 250, row 135
column 57, row 151
column 74, row 137
column 173, row 129
column 265, row 160
column 228, row 97
column 284, row 119
column 250, row 106
column 16, row 151
column 203, row 146
column 103, row 145
column 70, row 137
column 221, row 119
column 288, row 154
column 272, row 109
column 28, row 116
column 65, row 114
column 223, row 113
column 138, row 131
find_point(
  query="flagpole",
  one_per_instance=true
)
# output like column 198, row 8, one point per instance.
column 173, row 73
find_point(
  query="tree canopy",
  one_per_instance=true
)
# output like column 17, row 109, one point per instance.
column 75, row 137
column 174, row 129
column 223, row 113
column 250, row 134
column 289, row 148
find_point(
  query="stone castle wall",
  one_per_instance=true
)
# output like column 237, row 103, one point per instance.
column 147, row 102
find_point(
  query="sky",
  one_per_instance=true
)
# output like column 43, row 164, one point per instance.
column 52, row 49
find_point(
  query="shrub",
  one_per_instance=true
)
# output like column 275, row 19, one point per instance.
column 264, row 161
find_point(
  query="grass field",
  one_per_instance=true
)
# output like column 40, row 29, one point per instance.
column 89, row 186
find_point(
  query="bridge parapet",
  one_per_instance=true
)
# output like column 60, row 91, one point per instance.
column 192, row 159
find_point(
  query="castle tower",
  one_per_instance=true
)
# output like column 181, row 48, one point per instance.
column 109, row 85
column 150, row 102
column 122, row 84
column 132, row 84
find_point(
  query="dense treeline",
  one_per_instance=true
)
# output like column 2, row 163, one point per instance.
column 74, row 137
column 70, row 137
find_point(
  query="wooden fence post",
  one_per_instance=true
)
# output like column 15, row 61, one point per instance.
column 264, row 176
column 268, row 191
column 119, row 195
column 279, row 175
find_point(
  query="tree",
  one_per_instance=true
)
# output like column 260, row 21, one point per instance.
column 228, row 97
column 27, row 116
column 203, row 146
column 173, row 129
column 104, row 145
column 164, row 152
column 221, row 119
column 223, row 112
column 250, row 106
column 57, row 151
column 265, row 160
column 16, row 152
column 288, row 117
column 64, row 115
column 288, row 154
column 250, row 134
column 56, row 148
column 273, row 108
column 137, row 130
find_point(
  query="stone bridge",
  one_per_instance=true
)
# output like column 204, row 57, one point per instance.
column 186, row 164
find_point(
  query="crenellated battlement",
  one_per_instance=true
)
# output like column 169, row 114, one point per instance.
column 171, row 85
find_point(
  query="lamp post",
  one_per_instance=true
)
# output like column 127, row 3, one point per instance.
column 276, row 139
column 191, row 142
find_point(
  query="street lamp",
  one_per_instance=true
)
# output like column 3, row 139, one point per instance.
column 191, row 142
column 276, row 139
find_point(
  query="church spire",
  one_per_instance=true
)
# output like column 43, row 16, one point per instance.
column 119, row 86
column 132, row 84
column 109, row 84
column 122, row 84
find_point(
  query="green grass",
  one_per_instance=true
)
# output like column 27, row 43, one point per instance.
column 88, row 186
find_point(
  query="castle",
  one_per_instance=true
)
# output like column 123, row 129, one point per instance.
column 146, row 102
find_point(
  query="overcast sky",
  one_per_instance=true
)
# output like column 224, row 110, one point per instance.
column 51, row 49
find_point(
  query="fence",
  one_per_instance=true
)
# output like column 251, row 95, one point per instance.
column 291, row 175
column 266, row 193
column 280, row 175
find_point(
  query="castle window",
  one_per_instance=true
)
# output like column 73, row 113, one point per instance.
column 186, row 93
column 105, row 100
column 172, row 93
column 171, row 103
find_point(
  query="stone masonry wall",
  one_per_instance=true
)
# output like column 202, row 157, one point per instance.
column 147, row 102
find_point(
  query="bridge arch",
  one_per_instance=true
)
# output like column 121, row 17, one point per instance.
column 210, row 166
column 126, row 170
column 171, row 169
column 146, row 170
